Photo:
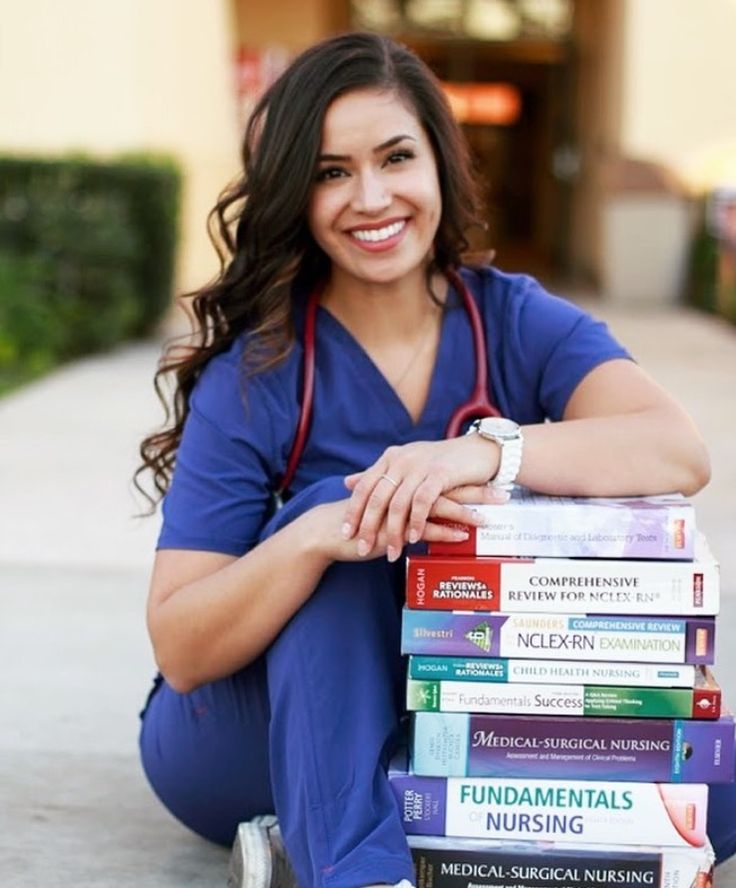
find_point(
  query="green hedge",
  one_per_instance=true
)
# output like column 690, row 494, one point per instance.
column 705, row 290
column 87, row 251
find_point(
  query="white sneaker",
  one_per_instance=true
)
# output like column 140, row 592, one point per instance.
column 258, row 858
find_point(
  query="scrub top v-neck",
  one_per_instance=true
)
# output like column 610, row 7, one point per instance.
column 239, row 431
column 383, row 396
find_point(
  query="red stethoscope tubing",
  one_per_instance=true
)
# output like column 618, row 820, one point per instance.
column 478, row 405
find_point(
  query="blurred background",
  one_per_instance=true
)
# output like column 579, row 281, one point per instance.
column 601, row 128
column 604, row 133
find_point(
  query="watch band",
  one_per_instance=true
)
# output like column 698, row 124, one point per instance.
column 507, row 434
column 509, row 462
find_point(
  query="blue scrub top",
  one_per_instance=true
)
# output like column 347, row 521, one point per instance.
column 238, row 435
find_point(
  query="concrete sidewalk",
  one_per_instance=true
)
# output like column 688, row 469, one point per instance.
column 74, row 807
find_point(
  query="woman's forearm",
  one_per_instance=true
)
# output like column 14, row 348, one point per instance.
column 210, row 615
column 633, row 454
column 622, row 435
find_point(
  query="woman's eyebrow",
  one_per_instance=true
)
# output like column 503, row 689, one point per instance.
column 389, row 143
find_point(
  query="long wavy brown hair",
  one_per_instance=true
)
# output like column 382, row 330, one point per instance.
column 259, row 225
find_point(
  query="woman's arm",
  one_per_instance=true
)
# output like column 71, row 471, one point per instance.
column 621, row 435
column 210, row 614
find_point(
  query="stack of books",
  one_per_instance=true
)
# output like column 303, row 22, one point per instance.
column 565, row 723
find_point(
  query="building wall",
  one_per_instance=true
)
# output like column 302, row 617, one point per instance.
column 679, row 85
column 292, row 24
column 105, row 78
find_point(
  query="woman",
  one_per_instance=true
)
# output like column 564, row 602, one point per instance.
column 277, row 635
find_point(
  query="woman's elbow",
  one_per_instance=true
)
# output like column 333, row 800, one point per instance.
column 691, row 459
column 697, row 473
column 173, row 662
column 174, row 671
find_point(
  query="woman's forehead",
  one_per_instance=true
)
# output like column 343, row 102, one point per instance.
column 367, row 117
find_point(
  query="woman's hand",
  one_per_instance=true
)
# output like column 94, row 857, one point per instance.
column 405, row 487
column 325, row 525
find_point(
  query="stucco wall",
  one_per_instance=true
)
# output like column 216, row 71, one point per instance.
column 679, row 84
column 104, row 77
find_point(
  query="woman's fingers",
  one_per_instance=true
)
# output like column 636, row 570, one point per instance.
column 367, row 507
column 398, row 493
column 444, row 533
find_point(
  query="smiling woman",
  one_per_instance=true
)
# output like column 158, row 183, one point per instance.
column 277, row 633
column 377, row 193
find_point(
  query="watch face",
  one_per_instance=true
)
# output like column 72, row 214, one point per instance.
column 498, row 427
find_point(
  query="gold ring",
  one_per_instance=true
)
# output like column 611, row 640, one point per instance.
column 390, row 480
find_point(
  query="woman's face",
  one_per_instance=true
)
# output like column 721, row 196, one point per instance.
column 375, row 204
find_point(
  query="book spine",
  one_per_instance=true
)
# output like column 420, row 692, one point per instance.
column 559, row 636
column 563, row 585
column 490, row 669
column 549, row 810
column 564, row 700
column 452, row 863
column 574, row 528
column 578, row 748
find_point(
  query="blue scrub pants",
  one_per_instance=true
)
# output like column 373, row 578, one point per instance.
column 307, row 730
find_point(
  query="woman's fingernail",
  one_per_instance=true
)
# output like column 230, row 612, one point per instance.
column 347, row 530
column 363, row 548
column 460, row 535
column 392, row 553
column 501, row 496
column 413, row 536
column 477, row 517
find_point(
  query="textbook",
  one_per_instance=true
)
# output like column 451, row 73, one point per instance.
column 565, row 585
column 532, row 524
column 551, row 810
column 650, row 750
column 702, row 701
column 503, row 669
column 464, row 863
column 559, row 636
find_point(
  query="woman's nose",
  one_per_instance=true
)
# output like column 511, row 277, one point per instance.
column 371, row 194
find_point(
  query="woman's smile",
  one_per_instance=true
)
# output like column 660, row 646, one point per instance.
column 384, row 236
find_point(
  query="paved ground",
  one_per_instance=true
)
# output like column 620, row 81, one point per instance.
column 74, row 808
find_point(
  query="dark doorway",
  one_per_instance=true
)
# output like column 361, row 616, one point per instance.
column 528, row 168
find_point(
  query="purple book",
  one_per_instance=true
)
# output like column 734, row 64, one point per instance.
column 637, row 639
column 450, row 744
column 531, row 524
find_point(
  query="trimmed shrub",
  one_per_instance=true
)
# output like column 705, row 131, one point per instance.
column 712, row 285
column 87, row 252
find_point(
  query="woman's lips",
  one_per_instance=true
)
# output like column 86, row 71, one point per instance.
column 376, row 239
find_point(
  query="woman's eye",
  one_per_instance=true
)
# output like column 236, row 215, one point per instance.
column 328, row 173
column 400, row 156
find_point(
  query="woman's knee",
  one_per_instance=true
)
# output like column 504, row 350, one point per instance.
column 205, row 754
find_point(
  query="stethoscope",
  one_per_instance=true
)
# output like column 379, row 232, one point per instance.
column 478, row 405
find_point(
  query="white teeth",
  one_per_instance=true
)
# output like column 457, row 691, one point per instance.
column 374, row 235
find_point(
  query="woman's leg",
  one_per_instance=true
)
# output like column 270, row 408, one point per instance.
column 336, row 683
column 206, row 753
column 335, row 688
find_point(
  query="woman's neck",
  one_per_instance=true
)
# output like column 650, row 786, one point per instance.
column 374, row 312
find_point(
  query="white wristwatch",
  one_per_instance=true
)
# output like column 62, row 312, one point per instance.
column 507, row 434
